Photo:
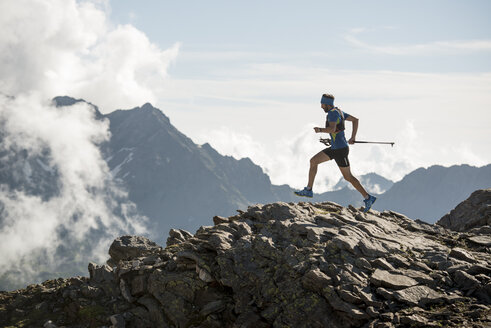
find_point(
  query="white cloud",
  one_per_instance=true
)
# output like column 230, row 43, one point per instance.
column 60, row 47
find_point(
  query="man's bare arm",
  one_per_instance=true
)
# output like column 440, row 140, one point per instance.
column 330, row 129
column 353, row 120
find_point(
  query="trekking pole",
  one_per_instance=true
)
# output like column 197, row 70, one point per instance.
column 377, row 142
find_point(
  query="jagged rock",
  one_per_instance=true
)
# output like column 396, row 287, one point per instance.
column 383, row 264
column 125, row 291
column 90, row 291
column 465, row 280
column 219, row 219
column 481, row 240
column 419, row 276
column 399, row 261
column 387, row 294
column 177, row 236
column 131, row 247
column 363, row 263
column 100, row 273
column 462, row 254
column 473, row 212
column 415, row 320
column 338, row 304
column 315, row 280
column 276, row 265
column 204, row 275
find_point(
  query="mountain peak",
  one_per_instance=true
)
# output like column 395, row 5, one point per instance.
column 66, row 101
column 147, row 106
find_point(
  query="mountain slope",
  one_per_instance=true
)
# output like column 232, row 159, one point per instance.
column 430, row 193
column 163, row 169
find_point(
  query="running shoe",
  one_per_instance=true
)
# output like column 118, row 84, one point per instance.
column 369, row 202
column 305, row 193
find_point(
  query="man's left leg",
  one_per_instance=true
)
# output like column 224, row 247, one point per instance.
column 368, row 199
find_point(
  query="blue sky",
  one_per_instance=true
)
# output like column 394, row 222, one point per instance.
column 320, row 32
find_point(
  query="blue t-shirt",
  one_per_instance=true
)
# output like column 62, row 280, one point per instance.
column 338, row 140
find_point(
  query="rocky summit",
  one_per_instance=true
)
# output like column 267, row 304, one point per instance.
column 276, row 265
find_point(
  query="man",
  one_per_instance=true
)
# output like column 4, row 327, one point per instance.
column 335, row 125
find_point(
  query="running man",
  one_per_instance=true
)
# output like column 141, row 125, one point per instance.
column 335, row 125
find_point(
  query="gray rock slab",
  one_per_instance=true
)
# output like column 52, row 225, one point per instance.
column 481, row 240
column 462, row 254
column 382, row 278
column 419, row 295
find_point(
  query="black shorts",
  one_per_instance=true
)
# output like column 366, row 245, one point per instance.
column 339, row 155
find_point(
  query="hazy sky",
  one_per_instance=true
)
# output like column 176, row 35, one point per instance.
column 247, row 76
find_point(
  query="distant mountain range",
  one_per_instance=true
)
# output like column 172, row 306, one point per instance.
column 163, row 169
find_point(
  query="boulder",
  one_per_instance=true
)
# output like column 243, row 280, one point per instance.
column 474, row 212
column 127, row 248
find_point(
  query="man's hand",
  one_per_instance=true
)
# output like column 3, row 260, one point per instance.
column 352, row 141
column 317, row 130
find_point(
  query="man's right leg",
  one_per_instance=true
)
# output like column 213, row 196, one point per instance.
column 320, row 157
column 346, row 171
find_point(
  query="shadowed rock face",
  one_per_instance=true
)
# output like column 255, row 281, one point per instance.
column 473, row 213
column 276, row 265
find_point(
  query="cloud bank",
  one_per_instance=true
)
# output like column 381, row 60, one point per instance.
column 85, row 210
column 59, row 208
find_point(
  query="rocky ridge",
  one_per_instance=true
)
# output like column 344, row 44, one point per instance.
column 276, row 265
